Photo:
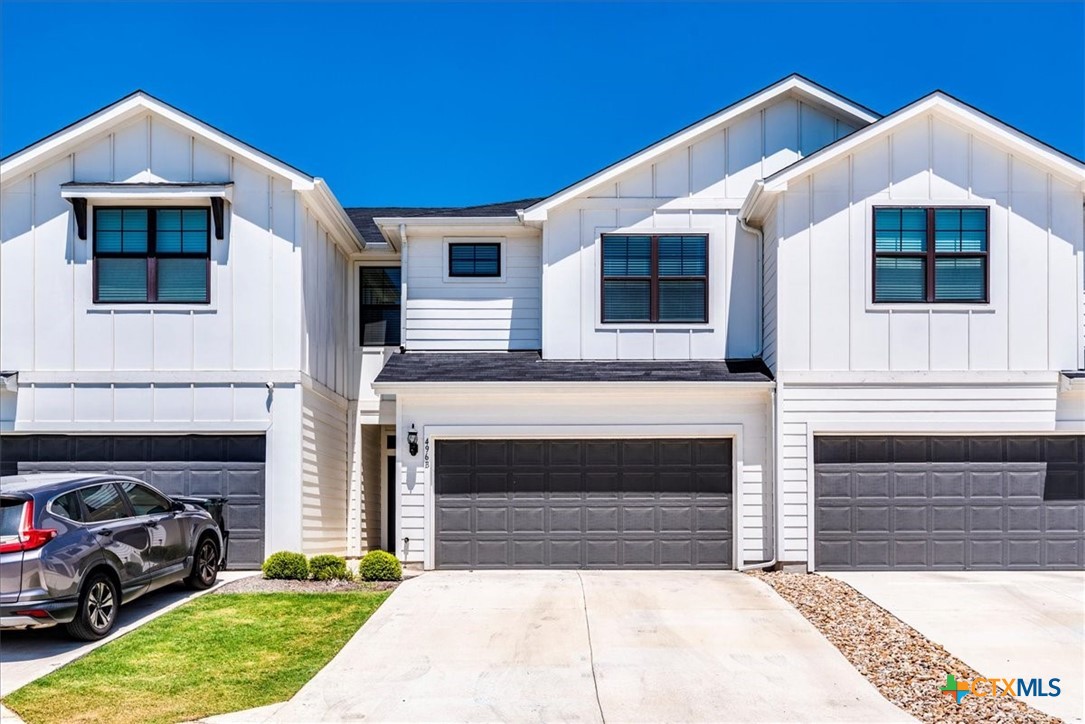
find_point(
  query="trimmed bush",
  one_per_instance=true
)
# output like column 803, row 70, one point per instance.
column 327, row 567
column 380, row 566
column 286, row 565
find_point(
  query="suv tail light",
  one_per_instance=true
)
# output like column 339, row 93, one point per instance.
column 30, row 537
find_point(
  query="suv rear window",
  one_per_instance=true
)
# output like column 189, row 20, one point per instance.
column 11, row 513
column 67, row 506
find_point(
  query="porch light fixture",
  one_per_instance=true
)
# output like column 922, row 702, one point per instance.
column 412, row 440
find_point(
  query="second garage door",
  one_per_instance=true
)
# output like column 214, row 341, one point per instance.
column 662, row 503
column 941, row 502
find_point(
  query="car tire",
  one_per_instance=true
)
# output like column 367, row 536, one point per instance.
column 205, row 565
column 98, row 606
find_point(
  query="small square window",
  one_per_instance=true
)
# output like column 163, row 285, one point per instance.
column 474, row 259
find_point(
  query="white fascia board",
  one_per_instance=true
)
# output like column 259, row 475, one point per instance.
column 133, row 105
column 390, row 225
column 148, row 191
column 792, row 84
column 976, row 378
column 953, row 110
column 455, row 388
column 328, row 210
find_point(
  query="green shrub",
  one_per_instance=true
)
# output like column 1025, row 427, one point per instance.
column 380, row 566
column 327, row 567
column 284, row 564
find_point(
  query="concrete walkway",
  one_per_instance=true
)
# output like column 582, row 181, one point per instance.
column 561, row 645
column 1004, row 624
column 29, row 655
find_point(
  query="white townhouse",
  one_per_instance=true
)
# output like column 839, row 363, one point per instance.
column 796, row 332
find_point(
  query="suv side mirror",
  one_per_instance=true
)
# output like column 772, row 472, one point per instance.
column 177, row 507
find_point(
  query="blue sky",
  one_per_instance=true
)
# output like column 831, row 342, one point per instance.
column 453, row 103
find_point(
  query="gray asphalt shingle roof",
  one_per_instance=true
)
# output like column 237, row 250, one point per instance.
column 363, row 216
column 531, row 367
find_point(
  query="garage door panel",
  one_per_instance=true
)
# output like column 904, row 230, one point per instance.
column 601, row 519
column 1063, row 518
column 983, row 503
column 638, row 519
column 604, row 504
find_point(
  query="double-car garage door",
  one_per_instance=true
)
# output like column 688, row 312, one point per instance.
column 940, row 502
column 594, row 503
column 202, row 465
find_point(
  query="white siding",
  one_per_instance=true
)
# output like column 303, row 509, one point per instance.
column 769, row 293
column 547, row 413
column 326, row 283
column 826, row 319
column 472, row 314
column 697, row 188
column 47, row 319
column 324, row 460
column 973, row 404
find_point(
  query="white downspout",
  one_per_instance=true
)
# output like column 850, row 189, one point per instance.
column 776, row 507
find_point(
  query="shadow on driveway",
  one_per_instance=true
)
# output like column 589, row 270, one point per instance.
column 29, row 655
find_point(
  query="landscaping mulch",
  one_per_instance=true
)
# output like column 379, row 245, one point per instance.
column 906, row 667
column 258, row 584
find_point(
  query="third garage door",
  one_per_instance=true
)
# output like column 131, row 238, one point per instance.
column 663, row 503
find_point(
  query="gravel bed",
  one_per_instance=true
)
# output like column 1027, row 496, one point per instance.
column 259, row 584
column 907, row 668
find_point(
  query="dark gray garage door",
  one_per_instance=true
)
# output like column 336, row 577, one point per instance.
column 229, row 465
column 583, row 503
column 914, row 502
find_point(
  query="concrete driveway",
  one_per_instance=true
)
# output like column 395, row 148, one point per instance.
column 29, row 655
column 1002, row 624
column 561, row 645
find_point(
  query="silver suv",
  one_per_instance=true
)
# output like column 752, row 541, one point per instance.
column 74, row 547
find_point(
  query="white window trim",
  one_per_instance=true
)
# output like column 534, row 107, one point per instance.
column 354, row 314
column 447, row 241
column 993, row 231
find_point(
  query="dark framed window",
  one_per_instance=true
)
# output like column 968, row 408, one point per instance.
column 380, row 305
column 655, row 278
column 466, row 259
column 156, row 255
column 930, row 255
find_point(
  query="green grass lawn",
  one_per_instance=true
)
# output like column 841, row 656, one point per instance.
column 219, row 653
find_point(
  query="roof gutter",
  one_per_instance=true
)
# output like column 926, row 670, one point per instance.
column 329, row 208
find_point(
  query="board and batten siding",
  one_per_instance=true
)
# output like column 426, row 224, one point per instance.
column 982, row 404
column 769, row 294
column 326, row 294
column 472, row 314
column 47, row 317
column 569, row 412
column 826, row 318
column 324, row 479
column 697, row 188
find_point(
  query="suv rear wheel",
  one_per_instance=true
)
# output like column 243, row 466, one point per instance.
column 205, row 567
column 98, row 606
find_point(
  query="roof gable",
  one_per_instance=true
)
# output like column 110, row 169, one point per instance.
column 131, row 106
column 793, row 85
column 938, row 102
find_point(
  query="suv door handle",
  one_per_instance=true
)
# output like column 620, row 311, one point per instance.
column 150, row 524
column 105, row 532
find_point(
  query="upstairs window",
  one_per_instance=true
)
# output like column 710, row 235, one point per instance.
column 474, row 260
column 662, row 278
column 927, row 255
column 152, row 255
column 380, row 306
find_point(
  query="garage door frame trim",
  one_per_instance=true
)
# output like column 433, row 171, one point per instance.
column 432, row 433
